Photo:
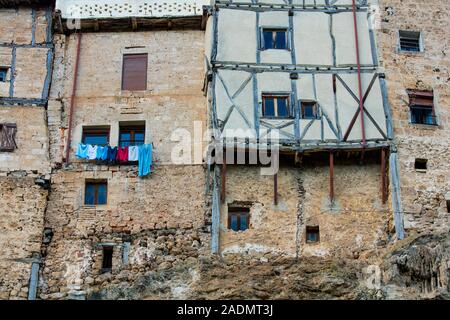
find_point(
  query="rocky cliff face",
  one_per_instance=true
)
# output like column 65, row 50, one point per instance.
column 415, row 268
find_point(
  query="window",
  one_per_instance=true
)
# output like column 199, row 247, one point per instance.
column 276, row 106
column 131, row 135
column 421, row 105
column 420, row 164
column 8, row 136
column 448, row 206
column 96, row 136
column 309, row 110
column 274, row 39
column 95, row 193
column 238, row 219
column 134, row 72
column 410, row 41
column 107, row 258
column 3, row 74
column 312, row 234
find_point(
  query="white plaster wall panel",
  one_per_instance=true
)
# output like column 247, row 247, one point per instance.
column 305, row 87
column 222, row 101
column 325, row 95
column 328, row 134
column 209, row 38
column 284, row 133
column 346, row 103
column 237, row 36
column 314, row 132
column 234, row 79
column 348, row 107
column 374, row 104
column 273, row 82
column 344, row 34
column 246, row 103
column 276, row 56
column 312, row 39
column 275, row 19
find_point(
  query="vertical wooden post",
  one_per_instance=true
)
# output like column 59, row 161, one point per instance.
column 383, row 176
column 331, row 176
column 224, row 177
column 275, row 189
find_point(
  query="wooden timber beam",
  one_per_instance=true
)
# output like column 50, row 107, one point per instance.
column 383, row 176
column 275, row 189
column 331, row 177
column 223, row 179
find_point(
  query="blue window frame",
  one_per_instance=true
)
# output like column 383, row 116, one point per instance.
column 274, row 38
column 276, row 106
column 96, row 193
column 309, row 110
column 312, row 234
column 3, row 74
column 238, row 219
column 410, row 41
column 96, row 136
column 131, row 135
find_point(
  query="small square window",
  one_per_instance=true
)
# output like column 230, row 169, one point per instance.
column 312, row 234
column 309, row 110
column 276, row 106
column 96, row 136
column 107, row 259
column 448, row 206
column 410, row 41
column 238, row 219
column 96, row 193
column 421, row 105
column 3, row 74
column 420, row 164
column 131, row 135
column 274, row 38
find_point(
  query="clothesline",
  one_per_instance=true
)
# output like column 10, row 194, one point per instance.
column 142, row 154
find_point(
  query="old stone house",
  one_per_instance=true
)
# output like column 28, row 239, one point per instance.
column 266, row 181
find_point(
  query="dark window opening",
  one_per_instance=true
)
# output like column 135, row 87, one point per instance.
column 96, row 136
column 3, row 74
column 107, row 258
column 276, row 106
column 410, row 41
column 95, row 193
column 131, row 135
column 134, row 72
column 8, row 137
column 312, row 234
column 420, row 164
column 448, row 206
column 275, row 39
column 238, row 219
column 309, row 110
column 421, row 105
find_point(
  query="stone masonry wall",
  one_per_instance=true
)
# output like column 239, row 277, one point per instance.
column 357, row 224
column 154, row 223
column 23, row 205
column 422, row 192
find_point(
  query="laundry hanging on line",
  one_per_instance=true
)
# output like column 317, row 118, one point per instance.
column 141, row 154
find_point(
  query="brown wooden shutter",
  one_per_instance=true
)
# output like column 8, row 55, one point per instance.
column 8, row 136
column 421, row 98
column 134, row 72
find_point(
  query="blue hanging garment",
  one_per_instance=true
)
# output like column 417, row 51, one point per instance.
column 145, row 159
column 112, row 154
column 82, row 151
column 102, row 153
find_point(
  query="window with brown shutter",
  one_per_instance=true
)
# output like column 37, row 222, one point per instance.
column 134, row 72
column 421, row 105
column 8, row 137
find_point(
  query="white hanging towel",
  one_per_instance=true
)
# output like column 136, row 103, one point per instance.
column 133, row 153
column 92, row 152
